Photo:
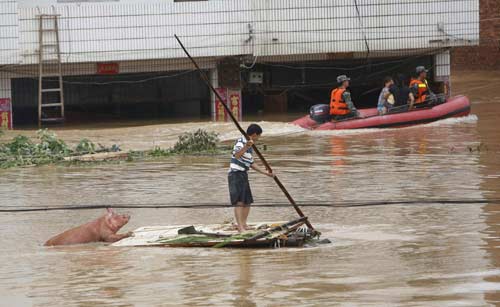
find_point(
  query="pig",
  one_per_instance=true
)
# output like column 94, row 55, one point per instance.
column 103, row 229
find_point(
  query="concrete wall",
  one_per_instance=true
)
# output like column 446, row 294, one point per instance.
column 8, row 43
column 442, row 66
column 124, row 31
column 5, row 85
column 8, row 32
column 487, row 54
column 33, row 3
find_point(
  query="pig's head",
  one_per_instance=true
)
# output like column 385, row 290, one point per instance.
column 114, row 220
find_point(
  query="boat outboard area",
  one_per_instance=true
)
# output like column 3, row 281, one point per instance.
column 319, row 117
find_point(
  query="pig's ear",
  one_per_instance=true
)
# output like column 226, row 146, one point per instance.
column 110, row 211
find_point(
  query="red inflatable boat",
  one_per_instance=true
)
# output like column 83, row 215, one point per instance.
column 454, row 107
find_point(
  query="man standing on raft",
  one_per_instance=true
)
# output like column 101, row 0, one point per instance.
column 239, row 187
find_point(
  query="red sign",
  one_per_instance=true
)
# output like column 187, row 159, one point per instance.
column 235, row 103
column 220, row 112
column 232, row 98
column 107, row 68
column 5, row 113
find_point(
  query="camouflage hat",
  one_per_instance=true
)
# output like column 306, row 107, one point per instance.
column 343, row 78
column 420, row 69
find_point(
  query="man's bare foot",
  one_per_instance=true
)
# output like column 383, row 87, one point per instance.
column 231, row 227
column 241, row 229
column 248, row 227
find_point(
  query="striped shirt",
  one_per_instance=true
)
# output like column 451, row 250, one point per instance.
column 245, row 161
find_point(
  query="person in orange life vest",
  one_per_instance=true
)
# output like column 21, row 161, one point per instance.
column 420, row 87
column 341, row 105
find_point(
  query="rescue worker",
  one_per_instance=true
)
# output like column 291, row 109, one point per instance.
column 341, row 105
column 420, row 87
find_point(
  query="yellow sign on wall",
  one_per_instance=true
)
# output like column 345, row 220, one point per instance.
column 5, row 113
column 232, row 98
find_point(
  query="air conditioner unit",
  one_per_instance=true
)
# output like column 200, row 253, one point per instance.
column 256, row 77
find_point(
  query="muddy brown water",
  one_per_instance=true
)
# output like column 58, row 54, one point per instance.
column 422, row 253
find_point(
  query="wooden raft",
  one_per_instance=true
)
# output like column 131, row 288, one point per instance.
column 264, row 235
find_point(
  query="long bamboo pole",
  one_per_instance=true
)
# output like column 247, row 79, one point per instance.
column 243, row 132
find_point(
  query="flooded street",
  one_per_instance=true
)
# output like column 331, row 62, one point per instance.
column 436, row 244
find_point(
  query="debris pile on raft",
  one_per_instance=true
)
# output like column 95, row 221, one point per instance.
column 22, row 151
column 264, row 235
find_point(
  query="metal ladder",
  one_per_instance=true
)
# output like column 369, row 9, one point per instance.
column 50, row 83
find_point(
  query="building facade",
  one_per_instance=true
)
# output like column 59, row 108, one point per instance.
column 485, row 55
column 263, row 47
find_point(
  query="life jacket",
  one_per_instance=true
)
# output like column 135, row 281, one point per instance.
column 337, row 104
column 423, row 90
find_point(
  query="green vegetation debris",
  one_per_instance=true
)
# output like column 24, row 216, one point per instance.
column 195, row 142
column 21, row 151
column 200, row 142
column 236, row 237
column 159, row 152
column 85, row 146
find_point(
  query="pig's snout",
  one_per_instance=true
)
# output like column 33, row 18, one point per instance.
column 125, row 219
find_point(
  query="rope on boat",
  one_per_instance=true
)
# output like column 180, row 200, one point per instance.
column 476, row 201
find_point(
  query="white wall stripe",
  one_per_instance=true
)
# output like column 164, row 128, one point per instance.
column 93, row 32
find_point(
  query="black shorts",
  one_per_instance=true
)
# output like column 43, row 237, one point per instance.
column 239, row 188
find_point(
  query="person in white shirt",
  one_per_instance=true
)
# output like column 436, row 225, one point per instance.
column 239, row 187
